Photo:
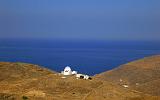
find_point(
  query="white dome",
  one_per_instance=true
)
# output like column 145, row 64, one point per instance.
column 74, row 72
column 67, row 71
column 67, row 68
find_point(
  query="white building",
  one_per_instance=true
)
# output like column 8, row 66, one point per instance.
column 74, row 72
column 67, row 71
column 83, row 76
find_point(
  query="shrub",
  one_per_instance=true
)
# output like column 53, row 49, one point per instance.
column 24, row 97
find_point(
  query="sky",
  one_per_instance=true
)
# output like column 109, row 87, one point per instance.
column 80, row 19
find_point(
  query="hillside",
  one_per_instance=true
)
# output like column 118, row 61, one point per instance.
column 21, row 81
column 142, row 75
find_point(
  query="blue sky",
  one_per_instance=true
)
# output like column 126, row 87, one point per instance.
column 80, row 19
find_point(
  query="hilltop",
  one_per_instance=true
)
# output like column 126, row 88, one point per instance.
column 22, row 81
column 141, row 75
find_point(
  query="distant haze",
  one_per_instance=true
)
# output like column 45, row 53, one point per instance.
column 80, row 19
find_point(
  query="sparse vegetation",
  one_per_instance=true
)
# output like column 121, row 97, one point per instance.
column 4, row 96
column 31, row 81
column 141, row 75
column 25, row 98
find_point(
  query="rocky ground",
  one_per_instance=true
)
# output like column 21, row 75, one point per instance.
column 21, row 81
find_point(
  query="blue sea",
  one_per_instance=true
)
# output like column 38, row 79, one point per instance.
column 88, row 57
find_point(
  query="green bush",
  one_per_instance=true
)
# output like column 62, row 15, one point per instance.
column 25, row 98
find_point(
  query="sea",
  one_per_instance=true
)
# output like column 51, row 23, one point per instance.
column 87, row 57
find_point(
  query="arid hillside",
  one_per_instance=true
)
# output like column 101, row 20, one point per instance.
column 21, row 81
column 142, row 75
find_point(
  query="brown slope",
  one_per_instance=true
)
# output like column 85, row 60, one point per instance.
column 21, row 81
column 142, row 75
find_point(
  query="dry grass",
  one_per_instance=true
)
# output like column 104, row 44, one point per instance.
column 19, row 81
column 142, row 75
